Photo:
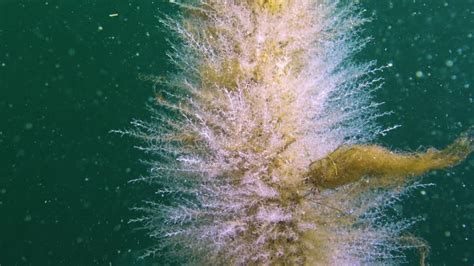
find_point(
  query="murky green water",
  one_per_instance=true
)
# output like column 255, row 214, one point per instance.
column 69, row 74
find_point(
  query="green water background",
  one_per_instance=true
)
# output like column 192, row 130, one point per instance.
column 69, row 74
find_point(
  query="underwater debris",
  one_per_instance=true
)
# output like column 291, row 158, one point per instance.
column 260, row 142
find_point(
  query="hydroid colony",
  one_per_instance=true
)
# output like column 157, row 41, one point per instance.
column 259, row 141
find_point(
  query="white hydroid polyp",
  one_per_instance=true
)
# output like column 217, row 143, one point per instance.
column 263, row 89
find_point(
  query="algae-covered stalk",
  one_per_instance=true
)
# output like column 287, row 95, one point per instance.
column 260, row 141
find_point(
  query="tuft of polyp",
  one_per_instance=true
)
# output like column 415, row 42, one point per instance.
column 253, row 102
